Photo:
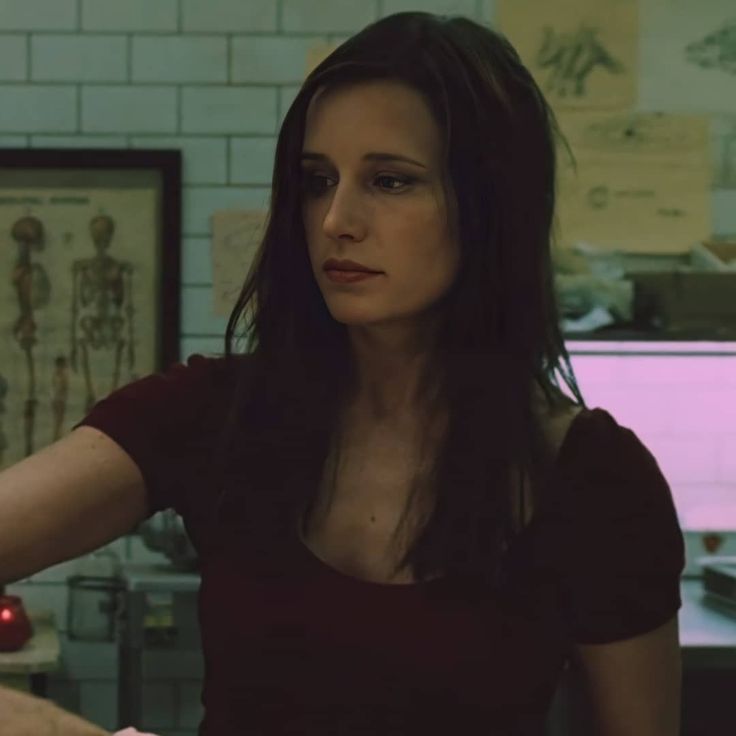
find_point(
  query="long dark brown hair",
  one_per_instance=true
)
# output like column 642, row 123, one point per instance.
column 498, row 343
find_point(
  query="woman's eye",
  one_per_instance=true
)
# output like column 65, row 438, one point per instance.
column 311, row 182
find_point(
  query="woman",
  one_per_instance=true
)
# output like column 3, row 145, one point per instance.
column 403, row 524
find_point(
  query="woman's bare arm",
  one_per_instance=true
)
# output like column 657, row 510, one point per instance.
column 66, row 500
column 28, row 715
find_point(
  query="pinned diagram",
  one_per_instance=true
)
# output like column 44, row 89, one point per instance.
column 90, row 254
column 100, row 318
column 102, row 307
column 717, row 50
column 642, row 181
column 688, row 56
column 582, row 54
column 236, row 235
column 32, row 288
column 570, row 58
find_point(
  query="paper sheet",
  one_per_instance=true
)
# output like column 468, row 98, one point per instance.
column 630, row 135
column 236, row 235
column 643, row 182
column 583, row 54
column 318, row 53
column 688, row 56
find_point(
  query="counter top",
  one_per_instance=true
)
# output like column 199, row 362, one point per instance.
column 707, row 630
column 41, row 653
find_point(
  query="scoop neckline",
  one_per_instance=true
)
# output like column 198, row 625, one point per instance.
column 355, row 580
column 352, row 580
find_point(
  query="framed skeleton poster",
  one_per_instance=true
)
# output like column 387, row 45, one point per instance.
column 89, row 283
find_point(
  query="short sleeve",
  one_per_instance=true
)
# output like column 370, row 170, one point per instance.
column 154, row 419
column 618, row 548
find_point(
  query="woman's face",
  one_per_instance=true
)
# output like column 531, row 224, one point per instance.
column 390, row 216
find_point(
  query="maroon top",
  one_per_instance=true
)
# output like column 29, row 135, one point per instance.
column 292, row 646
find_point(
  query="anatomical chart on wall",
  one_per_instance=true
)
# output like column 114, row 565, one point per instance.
column 236, row 235
column 77, row 306
column 643, row 181
column 581, row 53
column 688, row 56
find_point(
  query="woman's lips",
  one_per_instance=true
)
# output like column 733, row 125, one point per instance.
column 347, row 277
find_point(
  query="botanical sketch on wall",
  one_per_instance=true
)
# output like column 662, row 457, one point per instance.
column 582, row 54
column 688, row 56
column 717, row 50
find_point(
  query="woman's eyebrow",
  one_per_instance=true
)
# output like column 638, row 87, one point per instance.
column 372, row 156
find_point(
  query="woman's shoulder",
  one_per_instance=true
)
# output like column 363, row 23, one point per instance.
column 221, row 370
column 556, row 419
column 559, row 425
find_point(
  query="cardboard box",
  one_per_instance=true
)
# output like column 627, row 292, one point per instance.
column 714, row 256
column 688, row 300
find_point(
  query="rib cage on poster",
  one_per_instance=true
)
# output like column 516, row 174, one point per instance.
column 78, row 303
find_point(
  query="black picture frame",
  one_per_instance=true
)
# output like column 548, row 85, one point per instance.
column 90, row 272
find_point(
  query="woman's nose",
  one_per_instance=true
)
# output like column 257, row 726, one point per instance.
column 345, row 215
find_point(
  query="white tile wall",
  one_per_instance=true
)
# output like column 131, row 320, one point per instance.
column 215, row 79
column 181, row 59
column 204, row 158
column 13, row 141
column 79, row 141
column 197, row 314
column 39, row 15
column 270, row 59
column 448, row 7
column 142, row 16
column 200, row 202
column 229, row 16
column 77, row 58
column 252, row 160
column 13, row 58
column 196, row 266
column 724, row 211
column 128, row 109
column 228, row 110
column 38, row 109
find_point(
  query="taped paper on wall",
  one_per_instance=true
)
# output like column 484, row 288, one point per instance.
column 658, row 137
column 643, row 181
column 236, row 236
column 582, row 54
column 318, row 53
column 688, row 56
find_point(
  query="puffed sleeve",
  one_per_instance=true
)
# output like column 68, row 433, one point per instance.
column 154, row 419
column 617, row 547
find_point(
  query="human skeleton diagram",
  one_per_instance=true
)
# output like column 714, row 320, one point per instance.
column 101, row 305
column 33, row 291
column 101, row 315
column 59, row 394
